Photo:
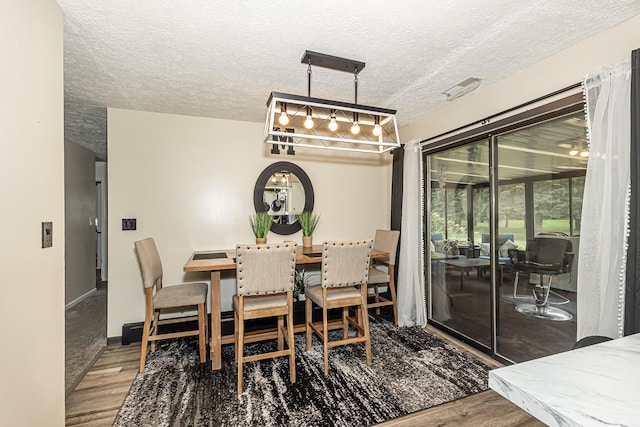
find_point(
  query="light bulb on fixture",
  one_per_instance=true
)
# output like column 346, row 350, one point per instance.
column 574, row 152
column 584, row 153
column 284, row 118
column 377, row 129
column 308, row 123
column 355, row 129
column 333, row 124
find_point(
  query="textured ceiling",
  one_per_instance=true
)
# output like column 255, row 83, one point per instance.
column 222, row 58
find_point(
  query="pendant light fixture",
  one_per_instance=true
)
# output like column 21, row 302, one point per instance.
column 303, row 121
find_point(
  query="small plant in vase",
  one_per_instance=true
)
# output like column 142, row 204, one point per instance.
column 308, row 222
column 301, row 281
column 261, row 224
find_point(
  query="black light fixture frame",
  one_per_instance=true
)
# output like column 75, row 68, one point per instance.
column 293, row 135
column 332, row 62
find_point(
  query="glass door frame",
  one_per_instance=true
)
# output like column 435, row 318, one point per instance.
column 558, row 104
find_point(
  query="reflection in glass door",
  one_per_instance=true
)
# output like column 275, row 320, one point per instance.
column 540, row 184
column 503, row 270
column 460, row 287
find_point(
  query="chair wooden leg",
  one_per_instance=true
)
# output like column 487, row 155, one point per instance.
column 308, row 318
column 206, row 324
column 156, row 319
column 145, row 340
column 236, row 341
column 365, row 326
column 325, row 340
column 377, row 298
column 359, row 315
column 202, row 335
column 240, row 345
column 280, row 334
column 345, row 323
column 292, row 345
column 392, row 290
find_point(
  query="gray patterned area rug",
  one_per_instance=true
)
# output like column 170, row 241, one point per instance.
column 412, row 370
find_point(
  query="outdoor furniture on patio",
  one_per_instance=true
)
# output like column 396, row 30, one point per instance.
column 546, row 257
column 502, row 239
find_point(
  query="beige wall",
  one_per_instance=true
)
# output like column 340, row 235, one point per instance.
column 189, row 183
column 557, row 72
column 80, row 213
column 32, row 189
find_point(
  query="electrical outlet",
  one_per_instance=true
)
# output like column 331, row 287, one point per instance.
column 47, row 234
column 128, row 224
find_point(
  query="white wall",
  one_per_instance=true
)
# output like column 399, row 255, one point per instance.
column 557, row 72
column 80, row 214
column 189, row 183
column 32, row 190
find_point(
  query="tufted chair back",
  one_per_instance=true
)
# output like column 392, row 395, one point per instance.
column 345, row 263
column 149, row 260
column 265, row 269
column 387, row 241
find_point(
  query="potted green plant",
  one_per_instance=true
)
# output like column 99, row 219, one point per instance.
column 308, row 221
column 261, row 223
column 301, row 281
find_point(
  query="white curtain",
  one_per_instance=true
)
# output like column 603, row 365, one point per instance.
column 605, row 209
column 411, row 300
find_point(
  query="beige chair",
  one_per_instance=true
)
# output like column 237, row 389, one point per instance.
column 345, row 270
column 184, row 295
column 385, row 241
column 265, row 279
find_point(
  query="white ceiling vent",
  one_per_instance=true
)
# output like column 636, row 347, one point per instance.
column 462, row 88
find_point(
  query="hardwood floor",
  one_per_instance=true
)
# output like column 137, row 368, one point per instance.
column 97, row 399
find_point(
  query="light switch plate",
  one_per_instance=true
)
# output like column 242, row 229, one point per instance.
column 47, row 234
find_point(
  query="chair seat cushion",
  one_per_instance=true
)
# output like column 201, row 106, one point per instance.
column 377, row 276
column 333, row 294
column 261, row 302
column 181, row 295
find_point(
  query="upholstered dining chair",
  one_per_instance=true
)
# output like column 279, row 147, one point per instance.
column 386, row 241
column 345, row 271
column 264, row 288
column 159, row 297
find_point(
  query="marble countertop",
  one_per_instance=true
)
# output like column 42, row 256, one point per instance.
column 590, row 386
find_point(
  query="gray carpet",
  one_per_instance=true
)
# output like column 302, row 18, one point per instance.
column 412, row 370
column 85, row 335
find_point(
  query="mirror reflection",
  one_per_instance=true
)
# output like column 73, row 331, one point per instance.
column 283, row 190
column 283, row 197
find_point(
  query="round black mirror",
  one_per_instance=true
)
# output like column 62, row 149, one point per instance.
column 283, row 190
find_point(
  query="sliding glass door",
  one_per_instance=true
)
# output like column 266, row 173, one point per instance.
column 503, row 214
column 540, row 178
column 459, row 215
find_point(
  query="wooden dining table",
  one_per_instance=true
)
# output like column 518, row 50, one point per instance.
column 216, row 261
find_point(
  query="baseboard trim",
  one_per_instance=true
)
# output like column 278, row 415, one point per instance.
column 114, row 340
column 80, row 298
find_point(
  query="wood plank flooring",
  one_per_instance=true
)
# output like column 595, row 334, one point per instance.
column 96, row 400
